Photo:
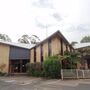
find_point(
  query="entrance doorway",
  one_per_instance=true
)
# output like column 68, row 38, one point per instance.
column 87, row 57
column 18, row 66
column 88, row 62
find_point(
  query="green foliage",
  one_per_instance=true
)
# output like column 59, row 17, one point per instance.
column 52, row 67
column 70, row 60
column 3, row 74
column 85, row 51
column 85, row 39
column 34, row 69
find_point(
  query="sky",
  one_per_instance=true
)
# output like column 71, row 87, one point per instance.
column 44, row 17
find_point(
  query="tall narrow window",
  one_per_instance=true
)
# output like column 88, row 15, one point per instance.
column 61, row 47
column 41, row 53
column 34, row 54
column 71, row 49
column 66, row 47
column 49, row 47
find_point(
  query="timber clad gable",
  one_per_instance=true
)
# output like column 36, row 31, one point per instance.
column 53, row 45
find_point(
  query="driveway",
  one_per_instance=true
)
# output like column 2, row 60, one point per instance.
column 30, row 83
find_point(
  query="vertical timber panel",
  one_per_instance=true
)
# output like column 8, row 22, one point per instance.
column 4, row 58
column 68, row 48
column 45, row 50
column 55, row 45
column 32, row 56
column 38, row 54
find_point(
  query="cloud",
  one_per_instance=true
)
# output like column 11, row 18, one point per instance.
column 44, row 21
column 76, row 32
column 79, row 28
column 57, row 16
column 83, row 28
column 43, row 3
column 48, row 15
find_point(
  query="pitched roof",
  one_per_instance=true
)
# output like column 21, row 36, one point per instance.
column 81, row 45
column 30, row 46
column 21, row 45
column 57, row 33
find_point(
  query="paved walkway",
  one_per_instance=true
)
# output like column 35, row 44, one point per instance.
column 32, row 83
column 24, row 80
column 20, row 80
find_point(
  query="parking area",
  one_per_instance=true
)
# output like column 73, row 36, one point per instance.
column 32, row 83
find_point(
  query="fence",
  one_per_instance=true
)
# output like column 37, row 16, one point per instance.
column 75, row 74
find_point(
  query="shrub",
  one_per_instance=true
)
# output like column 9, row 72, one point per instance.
column 52, row 67
column 3, row 74
column 70, row 60
column 34, row 69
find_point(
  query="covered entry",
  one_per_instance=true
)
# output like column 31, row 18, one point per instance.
column 19, row 57
column 18, row 66
column 87, row 57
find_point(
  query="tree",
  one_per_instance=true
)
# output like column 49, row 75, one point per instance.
column 69, row 60
column 5, row 37
column 85, row 39
column 29, row 39
column 34, row 39
column 24, row 39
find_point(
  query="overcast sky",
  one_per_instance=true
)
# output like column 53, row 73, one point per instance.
column 71, row 17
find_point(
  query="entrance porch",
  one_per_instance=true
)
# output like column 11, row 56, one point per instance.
column 18, row 66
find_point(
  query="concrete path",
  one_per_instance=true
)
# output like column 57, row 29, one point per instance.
column 31, row 83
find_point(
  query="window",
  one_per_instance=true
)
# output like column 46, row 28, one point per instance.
column 66, row 47
column 41, row 53
column 61, row 47
column 34, row 54
column 49, row 47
